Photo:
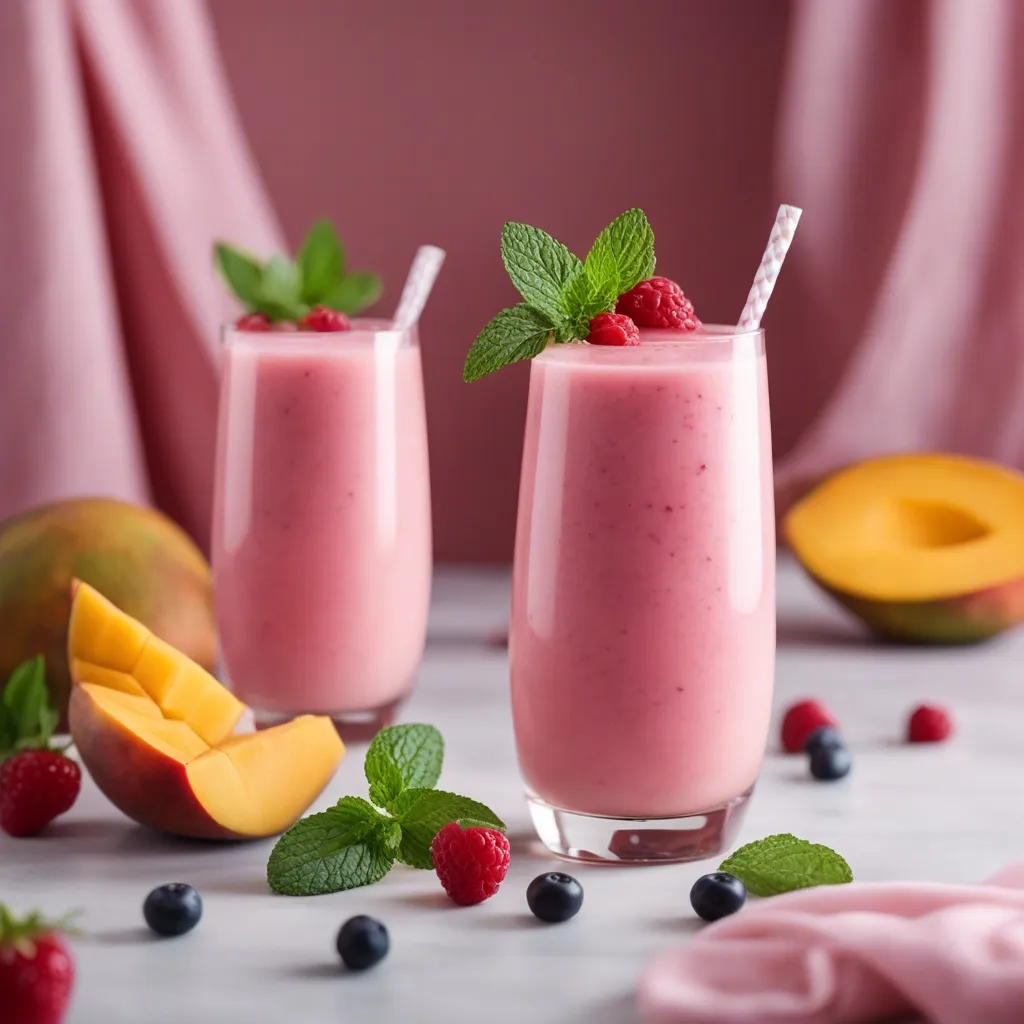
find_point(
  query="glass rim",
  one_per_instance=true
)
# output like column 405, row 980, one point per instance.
column 670, row 345
column 363, row 330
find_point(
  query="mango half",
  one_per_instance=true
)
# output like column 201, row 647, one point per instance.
column 155, row 731
column 923, row 548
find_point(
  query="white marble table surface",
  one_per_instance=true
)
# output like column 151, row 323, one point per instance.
column 951, row 813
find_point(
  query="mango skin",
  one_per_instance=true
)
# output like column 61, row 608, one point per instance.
column 140, row 559
column 141, row 783
column 965, row 619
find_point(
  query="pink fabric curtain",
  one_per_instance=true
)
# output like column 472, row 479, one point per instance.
column 899, row 325
column 122, row 158
column 902, row 136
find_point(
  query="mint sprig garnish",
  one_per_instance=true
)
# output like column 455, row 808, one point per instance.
column 424, row 812
column 355, row 843
column 286, row 289
column 516, row 333
column 561, row 293
column 27, row 719
column 404, row 757
column 783, row 863
column 540, row 267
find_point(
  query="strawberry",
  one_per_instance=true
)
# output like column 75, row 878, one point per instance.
column 36, row 970
column 37, row 782
column 35, row 787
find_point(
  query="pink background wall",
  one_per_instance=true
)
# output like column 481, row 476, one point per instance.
column 435, row 122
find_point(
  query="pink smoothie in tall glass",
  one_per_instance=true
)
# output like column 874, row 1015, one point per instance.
column 643, row 610
column 321, row 540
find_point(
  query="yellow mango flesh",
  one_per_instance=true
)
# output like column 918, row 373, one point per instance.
column 912, row 528
column 100, row 635
column 153, row 729
column 273, row 764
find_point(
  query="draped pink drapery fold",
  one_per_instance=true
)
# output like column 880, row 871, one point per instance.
column 899, row 321
column 902, row 136
column 123, row 157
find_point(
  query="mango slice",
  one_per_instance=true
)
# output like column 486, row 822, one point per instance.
column 154, row 730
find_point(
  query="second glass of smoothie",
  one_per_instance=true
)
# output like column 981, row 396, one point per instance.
column 643, row 609
column 322, row 532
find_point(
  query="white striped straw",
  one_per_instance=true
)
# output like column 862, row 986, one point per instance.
column 767, row 274
column 418, row 286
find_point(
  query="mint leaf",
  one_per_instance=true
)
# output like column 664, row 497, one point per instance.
column 516, row 333
column 465, row 823
column 354, row 293
column 540, row 267
column 390, row 833
column 585, row 298
column 424, row 812
column 621, row 257
column 341, row 848
column 783, row 863
column 280, row 288
column 403, row 757
column 26, row 718
column 241, row 271
column 321, row 262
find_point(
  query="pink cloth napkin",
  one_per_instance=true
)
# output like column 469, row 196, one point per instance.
column 852, row 953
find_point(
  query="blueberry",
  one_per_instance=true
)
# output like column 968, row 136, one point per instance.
column 554, row 897
column 173, row 909
column 362, row 942
column 823, row 736
column 717, row 895
column 830, row 763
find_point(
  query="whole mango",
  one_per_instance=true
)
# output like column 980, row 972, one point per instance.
column 134, row 556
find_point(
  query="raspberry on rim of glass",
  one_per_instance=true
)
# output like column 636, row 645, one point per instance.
column 602, row 300
column 658, row 302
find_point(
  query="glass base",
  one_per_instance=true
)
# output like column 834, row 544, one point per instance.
column 353, row 726
column 589, row 837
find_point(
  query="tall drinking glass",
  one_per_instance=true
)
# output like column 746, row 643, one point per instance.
column 643, row 609
column 321, row 534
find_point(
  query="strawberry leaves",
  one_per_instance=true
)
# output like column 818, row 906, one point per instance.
column 27, row 719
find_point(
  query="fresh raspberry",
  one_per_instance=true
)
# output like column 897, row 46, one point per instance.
column 929, row 724
column 658, row 302
column 800, row 721
column 471, row 863
column 613, row 329
column 320, row 318
column 36, row 971
column 35, row 787
column 253, row 322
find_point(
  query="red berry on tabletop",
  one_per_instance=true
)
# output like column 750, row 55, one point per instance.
column 253, row 322
column 35, row 787
column 613, row 329
column 470, row 862
column 658, row 302
column 800, row 720
column 929, row 724
column 36, row 971
column 320, row 318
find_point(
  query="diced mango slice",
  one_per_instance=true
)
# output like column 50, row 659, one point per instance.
column 153, row 728
column 174, row 739
column 83, row 672
column 254, row 783
column 100, row 633
column 184, row 690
